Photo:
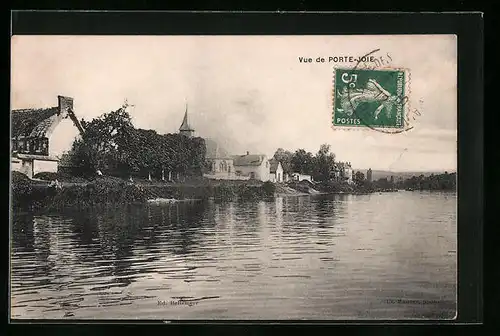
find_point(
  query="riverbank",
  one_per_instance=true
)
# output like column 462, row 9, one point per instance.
column 42, row 193
column 39, row 194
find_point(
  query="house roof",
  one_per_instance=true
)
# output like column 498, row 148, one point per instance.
column 28, row 121
column 248, row 160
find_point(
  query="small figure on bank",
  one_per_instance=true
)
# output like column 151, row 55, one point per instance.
column 55, row 184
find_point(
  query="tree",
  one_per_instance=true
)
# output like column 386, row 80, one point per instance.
column 111, row 143
column 302, row 162
column 324, row 163
column 102, row 143
column 359, row 178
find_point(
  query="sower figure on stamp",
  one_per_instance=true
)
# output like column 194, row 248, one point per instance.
column 374, row 92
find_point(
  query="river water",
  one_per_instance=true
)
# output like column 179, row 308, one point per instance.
column 378, row 256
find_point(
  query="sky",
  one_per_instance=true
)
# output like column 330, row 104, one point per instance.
column 249, row 93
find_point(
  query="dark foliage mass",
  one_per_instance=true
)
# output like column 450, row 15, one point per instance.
column 21, row 188
column 114, row 146
column 444, row 181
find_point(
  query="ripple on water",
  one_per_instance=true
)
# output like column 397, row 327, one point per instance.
column 320, row 258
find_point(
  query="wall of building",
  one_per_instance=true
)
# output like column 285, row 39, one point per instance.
column 261, row 172
column 23, row 166
column 40, row 166
column 15, row 165
column 348, row 175
column 221, row 165
column 301, row 177
column 62, row 137
column 279, row 174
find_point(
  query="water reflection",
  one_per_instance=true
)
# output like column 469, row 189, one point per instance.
column 333, row 256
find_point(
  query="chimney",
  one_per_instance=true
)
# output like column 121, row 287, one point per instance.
column 65, row 104
column 248, row 153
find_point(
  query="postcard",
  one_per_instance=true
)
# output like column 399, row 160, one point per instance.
column 234, row 177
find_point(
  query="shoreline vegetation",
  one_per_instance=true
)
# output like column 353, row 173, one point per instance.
column 74, row 192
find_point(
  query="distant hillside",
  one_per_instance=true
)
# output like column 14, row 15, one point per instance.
column 378, row 174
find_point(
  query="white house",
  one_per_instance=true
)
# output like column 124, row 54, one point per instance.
column 343, row 172
column 348, row 173
column 39, row 137
column 276, row 172
column 255, row 166
column 301, row 177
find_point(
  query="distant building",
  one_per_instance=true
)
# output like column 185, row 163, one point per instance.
column 239, row 167
column 342, row 171
column 256, row 166
column 277, row 174
column 219, row 164
column 185, row 128
column 369, row 175
column 40, row 137
column 348, row 173
column 301, row 177
column 221, row 168
column 335, row 173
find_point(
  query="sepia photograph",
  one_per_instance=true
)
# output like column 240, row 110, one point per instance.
column 249, row 177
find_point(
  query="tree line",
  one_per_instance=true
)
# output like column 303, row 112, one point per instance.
column 111, row 144
column 444, row 181
column 321, row 165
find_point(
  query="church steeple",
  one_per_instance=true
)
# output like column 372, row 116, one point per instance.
column 185, row 128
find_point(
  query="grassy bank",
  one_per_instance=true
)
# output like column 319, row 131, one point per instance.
column 29, row 194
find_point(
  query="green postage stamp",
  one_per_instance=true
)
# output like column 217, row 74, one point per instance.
column 370, row 98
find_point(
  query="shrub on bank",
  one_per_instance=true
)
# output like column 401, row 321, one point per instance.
column 335, row 186
column 19, row 178
column 21, row 189
column 269, row 188
column 113, row 190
